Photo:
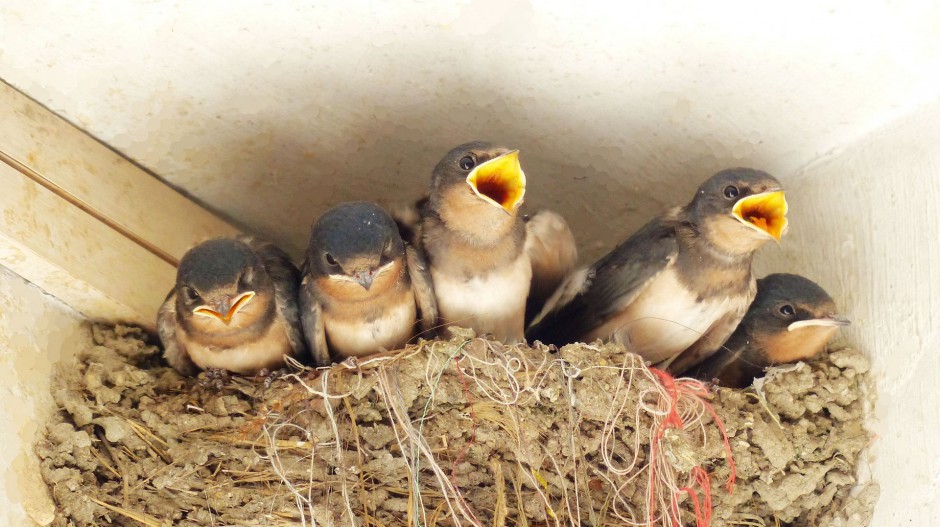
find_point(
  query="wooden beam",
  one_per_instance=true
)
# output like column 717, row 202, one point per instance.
column 85, row 224
column 69, row 162
column 75, row 257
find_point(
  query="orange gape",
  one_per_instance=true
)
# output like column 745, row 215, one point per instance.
column 243, row 299
column 240, row 303
column 767, row 212
column 500, row 181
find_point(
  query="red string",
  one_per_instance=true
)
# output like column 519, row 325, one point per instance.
column 669, row 383
column 672, row 419
column 701, row 508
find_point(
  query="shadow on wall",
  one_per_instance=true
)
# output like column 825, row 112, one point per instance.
column 285, row 160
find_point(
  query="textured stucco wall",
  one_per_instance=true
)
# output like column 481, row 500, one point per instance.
column 864, row 225
column 36, row 332
column 271, row 112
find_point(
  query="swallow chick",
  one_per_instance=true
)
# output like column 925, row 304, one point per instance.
column 676, row 289
column 233, row 308
column 363, row 289
column 487, row 261
column 791, row 319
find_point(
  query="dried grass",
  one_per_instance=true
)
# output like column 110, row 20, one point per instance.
column 460, row 432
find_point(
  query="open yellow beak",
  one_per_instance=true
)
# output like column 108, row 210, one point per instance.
column 240, row 302
column 500, row 181
column 766, row 212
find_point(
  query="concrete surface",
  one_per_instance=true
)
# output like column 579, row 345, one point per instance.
column 268, row 113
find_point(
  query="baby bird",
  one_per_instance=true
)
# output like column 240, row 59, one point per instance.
column 363, row 289
column 233, row 308
column 675, row 290
column 489, row 264
column 791, row 319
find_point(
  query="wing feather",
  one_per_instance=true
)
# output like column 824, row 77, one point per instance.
column 173, row 351
column 286, row 279
column 551, row 248
column 423, row 288
column 608, row 286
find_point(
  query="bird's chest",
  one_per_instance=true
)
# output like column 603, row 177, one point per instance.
column 490, row 302
column 357, row 336
column 667, row 317
column 248, row 356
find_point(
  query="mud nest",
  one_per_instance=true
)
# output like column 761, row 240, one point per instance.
column 459, row 432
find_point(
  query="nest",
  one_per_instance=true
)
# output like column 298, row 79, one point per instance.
column 460, row 432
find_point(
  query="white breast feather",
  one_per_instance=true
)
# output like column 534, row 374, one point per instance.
column 492, row 303
column 358, row 338
column 666, row 319
column 246, row 359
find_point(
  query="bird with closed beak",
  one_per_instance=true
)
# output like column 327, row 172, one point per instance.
column 674, row 291
column 487, row 261
column 363, row 289
column 791, row 319
column 233, row 308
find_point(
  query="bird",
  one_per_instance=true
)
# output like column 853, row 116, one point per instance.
column 490, row 265
column 363, row 289
column 675, row 290
column 791, row 319
column 233, row 308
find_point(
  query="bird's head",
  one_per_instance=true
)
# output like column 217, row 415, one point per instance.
column 355, row 251
column 740, row 209
column 222, row 285
column 792, row 318
column 478, row 187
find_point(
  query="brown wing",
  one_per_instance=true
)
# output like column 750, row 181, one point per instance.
column 732, row 365
column 408, row 220
column 286, row 278
column 553, row 252
column 591, row 297
column 312, row 322
column 423, row 289
column 174, row 352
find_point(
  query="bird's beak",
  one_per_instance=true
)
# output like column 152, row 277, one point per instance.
column 364, row 278
column 223, row 312
column 766, row 212
column 830, row 321
column 500, row 181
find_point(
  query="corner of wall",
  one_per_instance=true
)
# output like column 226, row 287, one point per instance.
column 37, row 332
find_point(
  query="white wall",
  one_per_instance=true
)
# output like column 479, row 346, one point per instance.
column 269, row 113
column 864, row 224
column 36, row 332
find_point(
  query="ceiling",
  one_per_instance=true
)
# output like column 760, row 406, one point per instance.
column 269, row 113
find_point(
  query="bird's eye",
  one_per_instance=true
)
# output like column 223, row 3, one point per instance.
column 731, row 192
column 330, row 260
column 787, row 310
column 191, row 294
column 467, row 162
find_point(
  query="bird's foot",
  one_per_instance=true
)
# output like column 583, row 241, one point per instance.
column 270, row 376
column 215, row 378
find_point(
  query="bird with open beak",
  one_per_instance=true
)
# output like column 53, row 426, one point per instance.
column 233, row 308
column 363, row 290
column 675, row 290
column 791, row 319
column 487, row 261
